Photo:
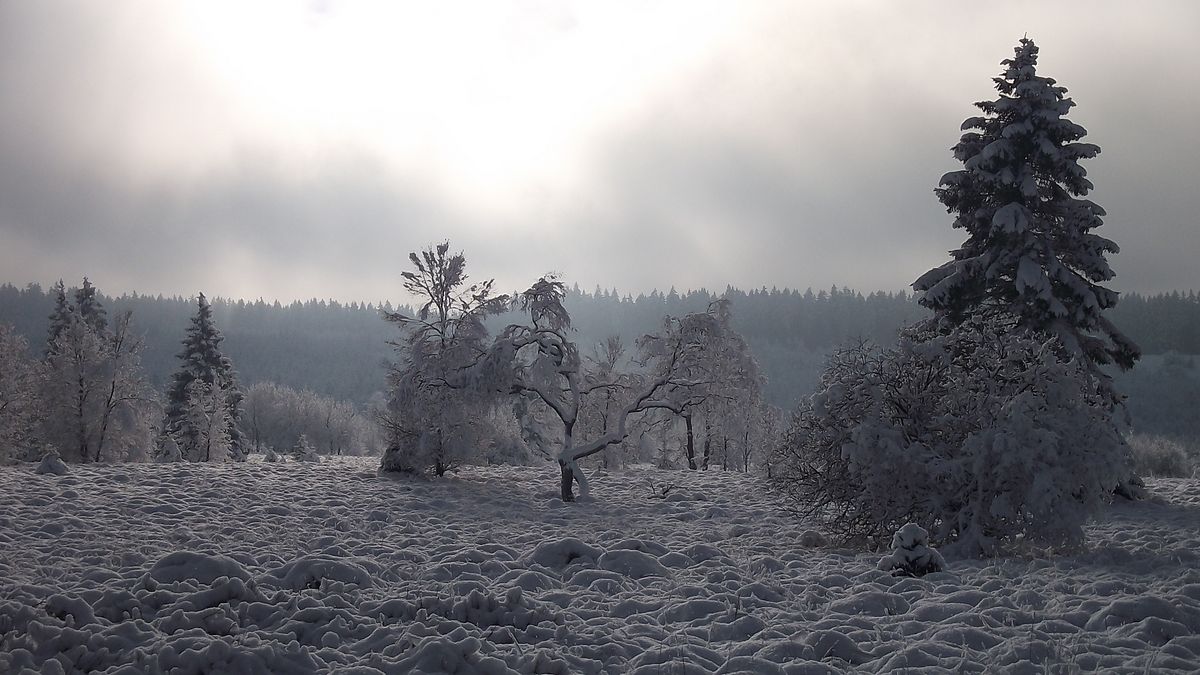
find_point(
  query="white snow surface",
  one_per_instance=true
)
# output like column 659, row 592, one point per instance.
column 298, row 568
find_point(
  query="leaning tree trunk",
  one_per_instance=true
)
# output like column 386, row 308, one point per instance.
column 568, row 477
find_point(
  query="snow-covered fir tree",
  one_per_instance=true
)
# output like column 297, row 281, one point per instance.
column 1030, row 250
column 88, row 307
column 203, row 361
column 303, row 450
column 60, row 318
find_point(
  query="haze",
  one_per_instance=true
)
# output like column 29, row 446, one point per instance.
column 296, row 150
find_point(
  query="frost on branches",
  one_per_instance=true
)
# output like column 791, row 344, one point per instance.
column 1030, row 251
column 433, row 420
column 539, row 361
column 20, row 409
column 454, row 391
column 985, row 435
column 96, row 405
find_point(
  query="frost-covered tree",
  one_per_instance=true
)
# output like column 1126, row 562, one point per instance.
column 604, row 365
column 1030, row 250
column 303, row 450
column 275, row 415
column 203, row 361
column 206, row 427
column 734, row 394
column 60, row 318
column 433, row 421
column 97, row 402
column 987, row 435
column 88, row 307
column 538, row 359
column 20, row 408
column 168, row 450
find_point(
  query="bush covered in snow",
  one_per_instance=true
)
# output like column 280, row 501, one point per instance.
column 911, row 555
column 1161, row 456
column 52, row 463
column 303, row 451
column 983, row 434
column 168, row 450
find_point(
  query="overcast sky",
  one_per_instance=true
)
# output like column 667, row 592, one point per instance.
column 299, row 150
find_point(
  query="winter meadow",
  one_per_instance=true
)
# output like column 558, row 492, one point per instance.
column 990, row 468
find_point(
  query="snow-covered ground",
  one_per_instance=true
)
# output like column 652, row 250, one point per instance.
column 328, row 568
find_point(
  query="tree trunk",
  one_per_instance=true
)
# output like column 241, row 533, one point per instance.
column 746, row 453
column 691, row 443
column 707, row 444
column 84, row 455
column 725, row 453
column 568, row 495
column 568, row 476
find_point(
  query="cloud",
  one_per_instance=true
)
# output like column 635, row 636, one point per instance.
column 298, row 151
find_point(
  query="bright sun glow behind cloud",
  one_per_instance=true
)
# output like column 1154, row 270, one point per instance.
column 486, row 99
column 641, row 144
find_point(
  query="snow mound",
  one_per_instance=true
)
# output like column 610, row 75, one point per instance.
column 631, row 563
column 912, row 555
column 558, row 554
column 51, row 464
column 200, row 567
column 311, row 571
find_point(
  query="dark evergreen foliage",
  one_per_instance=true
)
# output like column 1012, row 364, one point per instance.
column 1030, row 250
column 89, row 308
column 60, row 318
column 203, row 360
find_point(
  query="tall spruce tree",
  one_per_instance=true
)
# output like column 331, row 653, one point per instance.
column 1030, row 252
column 60, row 318
column 89, row 307
column 202, row 361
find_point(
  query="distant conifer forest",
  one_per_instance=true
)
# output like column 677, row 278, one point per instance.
column 338, row 349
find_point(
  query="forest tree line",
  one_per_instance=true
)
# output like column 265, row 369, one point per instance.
column 336, row 349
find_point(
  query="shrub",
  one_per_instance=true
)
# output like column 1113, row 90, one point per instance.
column 984, row 435
column 1160, row 456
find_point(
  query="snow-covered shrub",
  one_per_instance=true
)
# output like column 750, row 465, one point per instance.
column 983, row 434
column 303, row 451
column 168, row 450
column 1160, row 456
column 438, row 450
column 271, row 456
column 911, row 555
column 52, row 463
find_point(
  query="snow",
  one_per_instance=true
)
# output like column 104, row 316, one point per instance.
column 327, row 567
column 51, row 464
column 912, row 555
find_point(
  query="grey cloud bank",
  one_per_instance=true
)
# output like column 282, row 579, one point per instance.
column 783, row 145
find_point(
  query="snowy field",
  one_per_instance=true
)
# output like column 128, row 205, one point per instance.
column 327, row 568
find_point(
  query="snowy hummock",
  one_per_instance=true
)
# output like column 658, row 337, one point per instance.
column 911, row 555
column 51, row 464
column 297, row 567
